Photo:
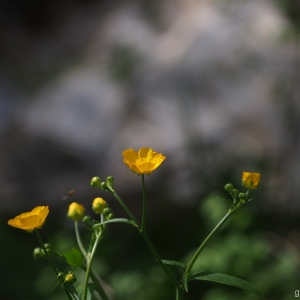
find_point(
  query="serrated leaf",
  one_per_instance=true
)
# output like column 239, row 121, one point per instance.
column 228, row 280
column 117, row 220
column 174, row 263
column 73, row 257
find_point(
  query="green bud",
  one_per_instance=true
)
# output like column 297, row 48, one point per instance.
column 61, row 276
column 87, row 220
column 47, row 246
column 38, row 253
column 235, row 192
column 110, row 181
column 96, row 182
column 106, row 211
column 242, row 196
column 104, row 186
column 228, row 187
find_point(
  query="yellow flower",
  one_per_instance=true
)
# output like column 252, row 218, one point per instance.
column 145, row 161
column 98, row 205
column 76, row 211
column 250, row 180
column 30, row 220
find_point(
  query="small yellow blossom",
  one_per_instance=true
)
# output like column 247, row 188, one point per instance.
column 250, row 180
column 30, row 220
column 70, row 278
column 145, row 161
column 98, row 205
column 76, row 211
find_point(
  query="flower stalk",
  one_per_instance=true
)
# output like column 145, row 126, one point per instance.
column 89, row 259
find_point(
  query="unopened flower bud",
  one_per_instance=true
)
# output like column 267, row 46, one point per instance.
column 235, row 192
column 96, row 182
column 99, row 204
column 70, row 278
column 38, row 253
column 106, row 211
column 76, row 211
column 110, row 181
column 87, row 219
column 250, row 180
column 242, row 196
column 47, row 246
column 228, row 187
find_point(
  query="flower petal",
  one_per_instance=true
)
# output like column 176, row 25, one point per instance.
column 30, row 222
column 146, row 154
column 147, row 168
column 130, row 156
column 15, row 223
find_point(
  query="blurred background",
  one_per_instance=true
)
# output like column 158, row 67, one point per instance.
column 213, row 85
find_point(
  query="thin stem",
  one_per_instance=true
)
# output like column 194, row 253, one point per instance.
column 125, row 207
column 51, row 263
column 45, row 251
column 97, row 284
column 144, row 204
column 179, row 294
column 199, row 250
column 89, row 258
column 80, row 245
column 158, row 259
column 148, row 242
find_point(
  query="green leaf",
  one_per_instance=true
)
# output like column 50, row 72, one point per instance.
column 73, row 257
column 118, row 220
column 90, row 291
column 72, row 291
column 227, row 279
column 174, row 263
column 185, row 283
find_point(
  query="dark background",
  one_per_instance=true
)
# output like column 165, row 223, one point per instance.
column 213, row 85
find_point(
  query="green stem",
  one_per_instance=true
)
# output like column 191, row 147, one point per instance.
column 89, row 259
column 158, row 259
column 51, row 263
column 199, row 250
column 145, row 236
column 179, row 294
column 144, row 204
column 81, row 247
column 97, row 284
column 45, row 251
column 125, row 207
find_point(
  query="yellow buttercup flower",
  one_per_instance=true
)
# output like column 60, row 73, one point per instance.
column 98, row 205
column 145, row 161
column 30, row 220
column 250, row 180
column 76, row 211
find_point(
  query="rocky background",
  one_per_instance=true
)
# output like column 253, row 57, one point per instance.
column 213, row 85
